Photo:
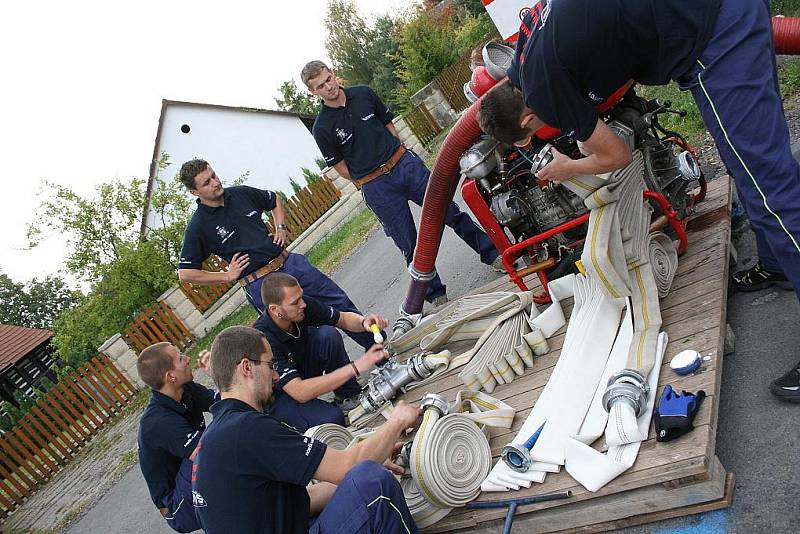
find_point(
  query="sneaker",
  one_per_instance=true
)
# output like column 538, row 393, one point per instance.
column 497, row 264
column 346, row 404
column 757, row 278
column 441, row 300
column 787, row 387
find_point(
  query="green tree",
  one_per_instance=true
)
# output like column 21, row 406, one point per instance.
column 296, row 100
column 361, row 54
column 320, row 161
column 36, row 304
column 294, row 185
column 126, row 270
column 309, row 175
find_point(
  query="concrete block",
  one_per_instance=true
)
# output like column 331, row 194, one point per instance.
column 114, row 347
column 185, row 309
column 174, row 297
column 127, row 360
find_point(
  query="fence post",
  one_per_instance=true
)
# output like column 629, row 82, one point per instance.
column 184, row 310
column 123, row 357
column 342, row 184
column 432, row 98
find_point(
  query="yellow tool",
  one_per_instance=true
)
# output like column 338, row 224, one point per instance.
column 376, row 333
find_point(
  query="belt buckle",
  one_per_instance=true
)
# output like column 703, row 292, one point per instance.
column 384, row 168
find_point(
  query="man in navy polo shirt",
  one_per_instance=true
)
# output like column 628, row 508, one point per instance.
column 228, row 223
column 252, row 472
column 169, row 430
column 573, row 54
column 355, row 133
column 310, row 355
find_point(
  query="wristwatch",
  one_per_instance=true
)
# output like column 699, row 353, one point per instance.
column 281, row 226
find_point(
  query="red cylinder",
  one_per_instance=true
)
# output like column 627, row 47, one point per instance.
column 786, row 34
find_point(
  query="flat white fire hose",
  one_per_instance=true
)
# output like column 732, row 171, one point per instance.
column 331, row 434
column 450, row 455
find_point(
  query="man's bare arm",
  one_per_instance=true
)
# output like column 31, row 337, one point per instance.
column 392, row 130
column 378, row 447
column 320, row 494
column 238, row 264
column 306, row 389
column 341, row 168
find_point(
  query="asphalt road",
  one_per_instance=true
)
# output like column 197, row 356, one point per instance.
column 756, row 437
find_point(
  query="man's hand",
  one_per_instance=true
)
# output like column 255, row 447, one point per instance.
column 372, row 319
column 238, row 264
column 390, row 463
column 204, row 361
column 558, row 170
column 375, row 354
column 405, row 414
column 280, row 237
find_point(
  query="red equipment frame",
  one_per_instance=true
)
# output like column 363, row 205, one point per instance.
column 510, row 252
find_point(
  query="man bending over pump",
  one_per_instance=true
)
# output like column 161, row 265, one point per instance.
column 252, row 472
column 309, row 352
column 169, row 430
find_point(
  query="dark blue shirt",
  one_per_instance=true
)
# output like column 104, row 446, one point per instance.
column 356, row 132
column 168, row 433
column 236, row 226
column 290, row 350
column 573, row 54
column 251, row 471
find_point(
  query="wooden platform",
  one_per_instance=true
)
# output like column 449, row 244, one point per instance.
column 668, row 479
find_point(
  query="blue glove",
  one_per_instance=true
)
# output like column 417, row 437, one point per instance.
column 675, row 413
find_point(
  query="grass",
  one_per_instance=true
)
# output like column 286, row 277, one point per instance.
column 331, row 252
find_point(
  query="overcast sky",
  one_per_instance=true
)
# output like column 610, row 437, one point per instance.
column 83, row 82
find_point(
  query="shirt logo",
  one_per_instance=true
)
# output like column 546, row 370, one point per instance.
column 197, row 500
column 595, row 97
column 190, row 436
column 224, row 234
column 342, row 135
column 254, row 212
column 368, row 117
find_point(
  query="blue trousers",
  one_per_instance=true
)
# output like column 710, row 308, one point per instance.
column 368, row 500
column 181, row 516
column 315, row 284
column 388, row 197
column 735, row 84
column 326, row 354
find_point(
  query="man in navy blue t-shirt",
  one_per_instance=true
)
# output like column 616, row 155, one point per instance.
column 355, row 133
column 252, row 472
column 310, row 354
column 228, row 223
column 572, row 54
column 169, row 430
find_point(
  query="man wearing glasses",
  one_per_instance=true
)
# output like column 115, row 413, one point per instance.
column 355, row 133
column 169, row 430
column 252, row 472
column 309, row 353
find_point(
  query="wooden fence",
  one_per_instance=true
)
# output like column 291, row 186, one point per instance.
column 451, row 82
column 57, row 426
column 154, row 324
column 422, row 124
column 302, row 209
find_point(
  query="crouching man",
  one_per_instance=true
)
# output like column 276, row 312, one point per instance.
column 169, row 430
column 309, row 353
column 251, row 471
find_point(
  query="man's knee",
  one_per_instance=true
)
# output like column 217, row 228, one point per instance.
column 370, row 472
column 328, row 340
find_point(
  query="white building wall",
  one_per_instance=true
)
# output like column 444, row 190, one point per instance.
column 270, row 148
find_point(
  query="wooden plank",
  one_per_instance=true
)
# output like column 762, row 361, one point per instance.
column 31, row 475
column 18, row 490
column 58, row 451
column 31, row 451
column 75, row 391
column 9, row 499
column 69, row 434
column 123, row 382
column 64, row 403
column 42, row 440
column 108, row 384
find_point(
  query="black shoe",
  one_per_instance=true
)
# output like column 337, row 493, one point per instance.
column 757, row 278
column 787, row 387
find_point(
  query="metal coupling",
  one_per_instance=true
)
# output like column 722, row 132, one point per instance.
column 392, row 377
column 420, row 276
column 436, row 402
column 518, row 457
column 627, row 386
